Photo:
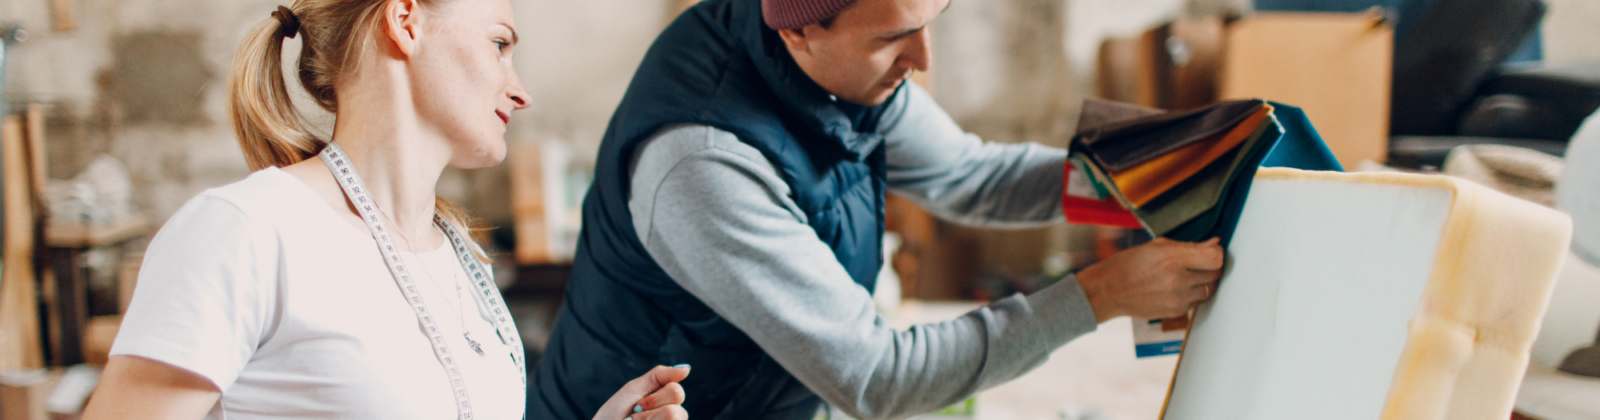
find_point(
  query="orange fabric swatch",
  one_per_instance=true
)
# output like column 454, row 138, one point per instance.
column 1143, row 183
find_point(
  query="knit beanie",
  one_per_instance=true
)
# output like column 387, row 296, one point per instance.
column 793, row 14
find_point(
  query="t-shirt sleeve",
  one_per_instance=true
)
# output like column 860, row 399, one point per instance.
column 205, row 296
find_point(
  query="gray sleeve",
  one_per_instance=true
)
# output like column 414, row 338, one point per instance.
column 718, row 219
column 961, row 178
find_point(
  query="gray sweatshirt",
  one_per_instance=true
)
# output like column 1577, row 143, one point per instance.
column 720, row 220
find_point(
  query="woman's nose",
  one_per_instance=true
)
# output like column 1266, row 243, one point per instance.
column 519, row 95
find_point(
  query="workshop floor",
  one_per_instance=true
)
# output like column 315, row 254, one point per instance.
column 1094, row 377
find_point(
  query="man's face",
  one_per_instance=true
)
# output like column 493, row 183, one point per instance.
column 869, row 50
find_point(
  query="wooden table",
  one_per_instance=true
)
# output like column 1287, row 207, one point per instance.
column 67, row 281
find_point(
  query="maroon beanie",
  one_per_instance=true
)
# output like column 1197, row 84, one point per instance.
column 793, row 14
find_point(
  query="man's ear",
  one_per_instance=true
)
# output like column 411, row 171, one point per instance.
column 796, row 40
column 401, row 24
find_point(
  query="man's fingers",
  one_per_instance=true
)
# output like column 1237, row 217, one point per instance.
column 671, row 412
column 668, row 395
column 1197, row 277
column 1201, row 256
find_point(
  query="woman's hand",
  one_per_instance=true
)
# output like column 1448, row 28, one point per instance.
column 654, row 396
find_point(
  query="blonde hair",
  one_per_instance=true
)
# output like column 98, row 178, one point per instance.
column 334, row 34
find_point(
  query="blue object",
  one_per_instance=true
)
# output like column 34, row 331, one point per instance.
column 1404, row 12
column 1298, row 146
column 1158, row 349
column 719, row 65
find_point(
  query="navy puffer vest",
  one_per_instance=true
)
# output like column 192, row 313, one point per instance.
column 716, row 65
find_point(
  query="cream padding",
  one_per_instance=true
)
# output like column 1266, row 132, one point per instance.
column 1361, row 296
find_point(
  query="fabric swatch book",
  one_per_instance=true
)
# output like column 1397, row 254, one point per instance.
column 1182, row 175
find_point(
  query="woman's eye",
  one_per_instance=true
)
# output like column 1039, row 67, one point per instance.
column 501, row 45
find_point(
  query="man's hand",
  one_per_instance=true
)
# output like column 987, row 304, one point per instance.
column 1160, row 279
column 654, row 396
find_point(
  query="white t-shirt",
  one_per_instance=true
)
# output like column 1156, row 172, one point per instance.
column 289, row 309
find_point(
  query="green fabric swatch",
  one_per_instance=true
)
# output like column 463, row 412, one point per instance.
column 1202, row 192
column 1199, row 228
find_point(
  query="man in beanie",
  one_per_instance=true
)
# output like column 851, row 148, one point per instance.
column 736, row 218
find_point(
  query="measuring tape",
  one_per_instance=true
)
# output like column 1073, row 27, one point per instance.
column 467, row 253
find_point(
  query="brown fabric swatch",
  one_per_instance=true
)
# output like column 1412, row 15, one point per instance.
column 1097, row 113
column 1121, row 145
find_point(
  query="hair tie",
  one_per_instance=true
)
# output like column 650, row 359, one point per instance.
column 288, row 25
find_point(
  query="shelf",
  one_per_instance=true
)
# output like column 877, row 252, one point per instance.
column 60, row 235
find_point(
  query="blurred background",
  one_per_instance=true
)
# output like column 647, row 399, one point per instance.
column 119, row 117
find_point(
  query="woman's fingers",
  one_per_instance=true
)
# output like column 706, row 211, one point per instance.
column 657, row 378
column 629, row 402
column 670, row 394
column 671, row 412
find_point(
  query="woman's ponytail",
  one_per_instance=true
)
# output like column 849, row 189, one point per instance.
column 270, row 131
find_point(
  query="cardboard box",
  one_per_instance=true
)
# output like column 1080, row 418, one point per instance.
column 1335, row 66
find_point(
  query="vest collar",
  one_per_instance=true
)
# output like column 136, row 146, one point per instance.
column 808, row 102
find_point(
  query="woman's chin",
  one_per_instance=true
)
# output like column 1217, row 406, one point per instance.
column 482, row 157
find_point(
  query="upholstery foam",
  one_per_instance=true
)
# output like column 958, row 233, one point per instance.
column 1373, row 295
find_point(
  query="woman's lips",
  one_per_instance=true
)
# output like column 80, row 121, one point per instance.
column 504, row 118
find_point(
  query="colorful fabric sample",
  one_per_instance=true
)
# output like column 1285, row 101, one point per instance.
column 1146, row 181
column 1121, row 145
column 1190, row 189
column 1204, row 191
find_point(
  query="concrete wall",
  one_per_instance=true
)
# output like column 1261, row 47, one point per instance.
column 1571, row 33
column 144, row 80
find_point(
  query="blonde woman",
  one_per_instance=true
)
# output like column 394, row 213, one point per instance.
column 332, row 283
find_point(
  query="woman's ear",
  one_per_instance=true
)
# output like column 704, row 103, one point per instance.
column 402, row 24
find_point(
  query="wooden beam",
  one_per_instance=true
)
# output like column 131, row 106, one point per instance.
column 128, row 280
column 19, row 302
column 33, row 141
column 64, row 15
column 76, row 235
column 528, row 206
column 36, row 164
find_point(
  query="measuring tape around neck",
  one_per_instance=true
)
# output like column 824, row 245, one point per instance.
column 466, row 252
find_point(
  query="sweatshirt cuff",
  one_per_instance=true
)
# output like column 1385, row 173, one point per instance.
column 1066, row 311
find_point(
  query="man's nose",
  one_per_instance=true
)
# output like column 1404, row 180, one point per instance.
column 918, row 53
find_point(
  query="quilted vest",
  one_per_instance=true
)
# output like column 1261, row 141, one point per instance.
column 717, row 65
